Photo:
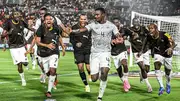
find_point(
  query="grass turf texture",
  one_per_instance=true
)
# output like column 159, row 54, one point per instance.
column 70, row 86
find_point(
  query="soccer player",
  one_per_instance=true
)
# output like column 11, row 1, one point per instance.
column 119, row 55
column 162, row 46
column 138, row 35
column 14, row 30
column 48, row 40
column 101, row 34
column 82, row 45
column 38, row 23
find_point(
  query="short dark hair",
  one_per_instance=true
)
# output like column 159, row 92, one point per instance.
column 116, row 18
column 47, row 14
column 101, row 9
column 44, row 8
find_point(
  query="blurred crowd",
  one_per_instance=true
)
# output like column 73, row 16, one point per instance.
column 68, row 10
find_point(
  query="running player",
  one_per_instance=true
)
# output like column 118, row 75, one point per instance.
column 48, row 40
column 82, row 45
column 162, row 46
column 119, row 55
column 14, row 30
column 138, row 35
column 101, row 34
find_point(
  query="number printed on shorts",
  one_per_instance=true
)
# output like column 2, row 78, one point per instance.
column 55, row 61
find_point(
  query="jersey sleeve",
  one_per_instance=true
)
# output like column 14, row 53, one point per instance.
column 89, row 27
column 115, row 30
column 59, row 22
column 37, row 24
column 7, row 26
column 127, row 32
column 39, row 31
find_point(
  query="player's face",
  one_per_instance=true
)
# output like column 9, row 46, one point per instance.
column 83, row 20
column 116, row 22
column 42, row 13
column 136, row 22
column 99, row 16
column 151, row 29
column 48, row 21
column 16, row 16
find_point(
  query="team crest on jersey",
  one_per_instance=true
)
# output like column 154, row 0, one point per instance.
column 85, row 36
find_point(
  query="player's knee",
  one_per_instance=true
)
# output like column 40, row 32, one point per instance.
column 167, row 71
column 80, row 67
column 94, row 77
column 103, row 76
column 157, row 65
column 52, row 71
column 124, row 62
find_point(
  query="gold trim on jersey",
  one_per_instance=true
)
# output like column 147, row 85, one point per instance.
column 15, row 22
column 50, row 29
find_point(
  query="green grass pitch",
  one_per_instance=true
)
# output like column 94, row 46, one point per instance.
column 70, row 86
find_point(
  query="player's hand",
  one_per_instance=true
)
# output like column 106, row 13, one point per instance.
column 51, row 46
column 119, row 39
column 169, row 51
column 113, row 42
column 31, row 50
column 69, row 30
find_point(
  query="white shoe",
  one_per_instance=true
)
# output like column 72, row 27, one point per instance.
column 43, row 78
column 87, row 88
column 23, row 83
column 149, row 89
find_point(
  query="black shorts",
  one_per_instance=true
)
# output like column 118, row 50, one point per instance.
column 81, row 57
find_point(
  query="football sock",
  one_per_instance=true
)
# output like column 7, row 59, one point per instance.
column 125, row 76
column 147, row 82
column 159, row 77
column 22, row 76
column 83, row 77
column 102, row 88
column 168, row 79
column 51, row 82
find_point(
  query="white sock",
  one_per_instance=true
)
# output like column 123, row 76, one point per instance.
column 147, row 82
column 168, row 79
column 159, row 77
column 22, row 76
column 122, row 79
column 51, row 82
column 102, row 88
column 126, row 76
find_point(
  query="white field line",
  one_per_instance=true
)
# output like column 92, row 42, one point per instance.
column 70, row 74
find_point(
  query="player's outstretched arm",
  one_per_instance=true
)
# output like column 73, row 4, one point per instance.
column 3, row 38
column 62, row 45
column 77, row 31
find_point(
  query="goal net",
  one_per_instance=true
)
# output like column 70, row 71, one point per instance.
column 170, row 24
